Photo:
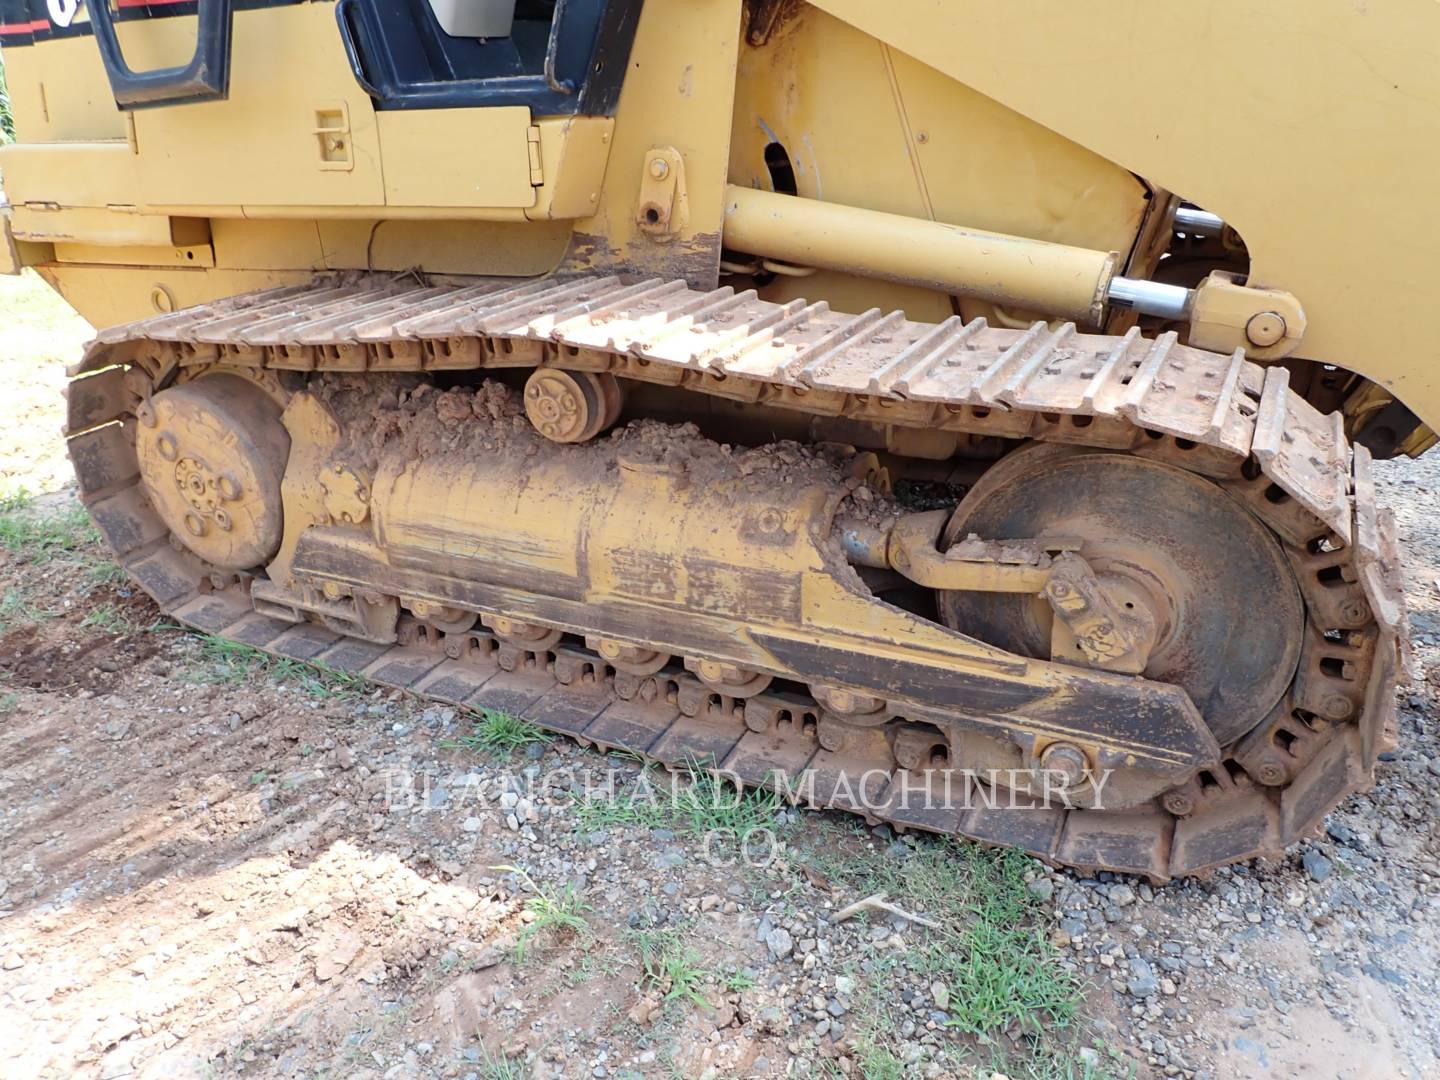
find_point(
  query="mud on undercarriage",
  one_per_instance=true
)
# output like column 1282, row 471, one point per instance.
column 697, row 604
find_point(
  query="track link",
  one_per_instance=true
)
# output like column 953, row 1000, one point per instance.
column 1222, row 417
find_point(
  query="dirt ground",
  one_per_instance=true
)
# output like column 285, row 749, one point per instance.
column 213, row 864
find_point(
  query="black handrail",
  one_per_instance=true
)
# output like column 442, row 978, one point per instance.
column 205, row 78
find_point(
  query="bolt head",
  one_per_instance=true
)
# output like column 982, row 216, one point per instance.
column 1271, row 773
column 659, row 169
column 1179, row 803
column 1066, row 761
column 1336, row 707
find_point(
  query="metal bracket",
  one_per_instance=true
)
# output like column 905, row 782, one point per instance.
column 973, row 565
column 1102, row 622
column 663, row 209
column 332, row 136
column 1104, row 629
column 1226, row 315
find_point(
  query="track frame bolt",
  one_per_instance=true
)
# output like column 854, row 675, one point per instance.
column 1179, row 803
column 1271, row 772
column 1355, row 611
column 1336, row 707
column 1066, row 762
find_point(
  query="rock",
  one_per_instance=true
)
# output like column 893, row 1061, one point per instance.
column 780, row 943
column 1143, row 987
column 333, row 955
column 14, row 960
column 1121, row 895
column 471, row 824
column 641, row 1012
column 1042, row 889
column 115, row 1029
column 1316, row 865
column 940, row 994
column 844, row 984
column 1340, row 833
column 773, row 1020
column 1143, row 983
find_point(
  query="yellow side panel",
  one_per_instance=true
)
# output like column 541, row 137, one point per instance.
column 93, row 225
column 441, row 247
column 72, row 174
column 261, row 146
column 1312, row 126
column 110, row 295
column 59, row 92
column 267, row 245
column 456, row 157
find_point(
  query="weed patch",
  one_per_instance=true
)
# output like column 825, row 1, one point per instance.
column 499, row 733
column 551, row 912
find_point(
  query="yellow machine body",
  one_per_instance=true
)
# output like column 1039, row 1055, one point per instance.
column 1309, row 134
column 1046, row 268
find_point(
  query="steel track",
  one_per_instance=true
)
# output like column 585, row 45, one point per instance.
column 1235, row 423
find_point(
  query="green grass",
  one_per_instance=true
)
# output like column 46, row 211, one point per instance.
column 501, row 1066
column 7, row 704
column 554, row 913
column 991, row 952
column 739, row 981
column 595, row 960
column 231, row 663
column 498, row 733
column 105, row 572
column 39, row 536
column 699, row 803
column 35, row 536
column 18, row 606
column 108, row 619
column 671, row 964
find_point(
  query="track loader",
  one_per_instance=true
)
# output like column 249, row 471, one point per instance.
column 959, row 414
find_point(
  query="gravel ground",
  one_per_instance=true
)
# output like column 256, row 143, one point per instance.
column 212, row 865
